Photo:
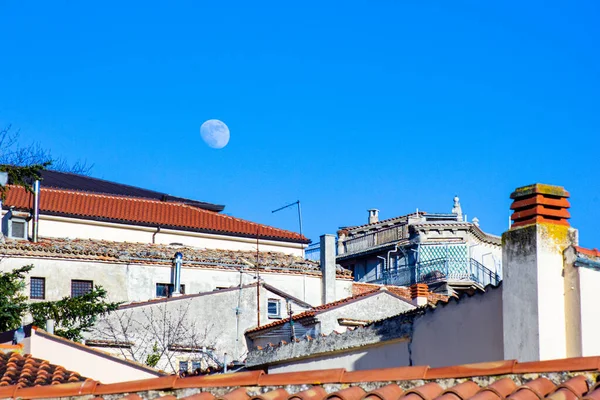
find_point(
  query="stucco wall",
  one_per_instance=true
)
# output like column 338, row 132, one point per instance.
column 137, row 282
column 391, row 354
column 589, row 283
column 87, row 362
column 61, row 227
column 373, row 308
column 208, row 320
column 463, row 332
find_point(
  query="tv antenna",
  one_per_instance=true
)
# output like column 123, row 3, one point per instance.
column 297, row 202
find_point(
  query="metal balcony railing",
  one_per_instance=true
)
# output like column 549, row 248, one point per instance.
column 438, row 270
column 365, row 242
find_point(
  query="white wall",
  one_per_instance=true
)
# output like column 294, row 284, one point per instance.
column 463, row 332
column 137, row 282
column 589, row 283
column 88, row 362
column 62, row 227
column 372, row 308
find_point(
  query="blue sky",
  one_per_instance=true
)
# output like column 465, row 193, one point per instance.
column 395, row 105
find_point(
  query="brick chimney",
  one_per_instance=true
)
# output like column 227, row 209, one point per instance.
column 373, row 215
column 418, row 294
column 533, row 290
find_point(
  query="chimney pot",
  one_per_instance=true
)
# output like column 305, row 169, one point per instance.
column 418, row 294
column 539, row 203
column 373, row 215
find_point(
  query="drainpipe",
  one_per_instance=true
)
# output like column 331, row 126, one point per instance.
column 177, row 274
column 36, row 210
column 388, row 256
column 384, row 265
column 154, row 234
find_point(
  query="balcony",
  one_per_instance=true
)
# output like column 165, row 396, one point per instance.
column 371, row 240
column 447, row 269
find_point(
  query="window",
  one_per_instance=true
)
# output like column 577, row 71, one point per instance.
column 17, row 228
column 196, row 366
column 183, row 366
column 273, row 308
column 37, row 288
column 79, row 287
column 166, row 289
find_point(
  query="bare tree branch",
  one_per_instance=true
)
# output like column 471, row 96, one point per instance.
column 13, row 152
column 168, row 329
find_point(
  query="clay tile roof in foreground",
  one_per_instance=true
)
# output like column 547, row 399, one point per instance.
column 567, row 379
column 21, row 371
column 142, row 211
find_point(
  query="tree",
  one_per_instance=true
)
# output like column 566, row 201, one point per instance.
column 24, row 163
column 157, row 334
column 13, row 303
column 73, row 316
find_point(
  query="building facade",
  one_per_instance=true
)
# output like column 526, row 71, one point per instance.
column 442, row 250
column 544, row 309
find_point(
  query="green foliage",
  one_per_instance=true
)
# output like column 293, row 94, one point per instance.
column 22, row 176
column 73, row 316
column 13, row 303
column 154, row 357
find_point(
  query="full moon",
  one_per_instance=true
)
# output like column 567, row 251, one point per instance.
column 215, row 133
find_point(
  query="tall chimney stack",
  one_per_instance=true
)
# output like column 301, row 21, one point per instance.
column 533, row 291
column 328, row 268
column 373, row 215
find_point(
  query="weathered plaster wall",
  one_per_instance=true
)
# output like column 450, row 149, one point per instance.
column 581, row 306
column 137, row 282
column 208, row 320
column 520, row 294
column 534, row 295
column 373, row 308
column 463, row 332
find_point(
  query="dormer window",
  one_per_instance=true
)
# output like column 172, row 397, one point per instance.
column 17, row 228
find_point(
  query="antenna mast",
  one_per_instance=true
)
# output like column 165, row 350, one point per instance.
column 297, row 202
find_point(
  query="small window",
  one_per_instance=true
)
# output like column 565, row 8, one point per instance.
column 273, row 307
column 183, row 366
column 166, row 289
column 37, row 288
column 196, row 366
column 17, row 228
column 79, row 287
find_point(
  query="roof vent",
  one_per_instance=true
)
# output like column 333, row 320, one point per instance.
column 373, row 215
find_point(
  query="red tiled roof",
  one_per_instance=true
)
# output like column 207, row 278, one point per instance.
column 567, row 379
column 395, row 290
column 587, row 252
column 23, row 371
column 143, row 211
column 400, row 291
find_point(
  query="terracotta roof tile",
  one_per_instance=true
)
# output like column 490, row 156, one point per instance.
column 26, row 371
column 134, row 210
column 159, row 254
column 391, row 391
column 489, row 381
